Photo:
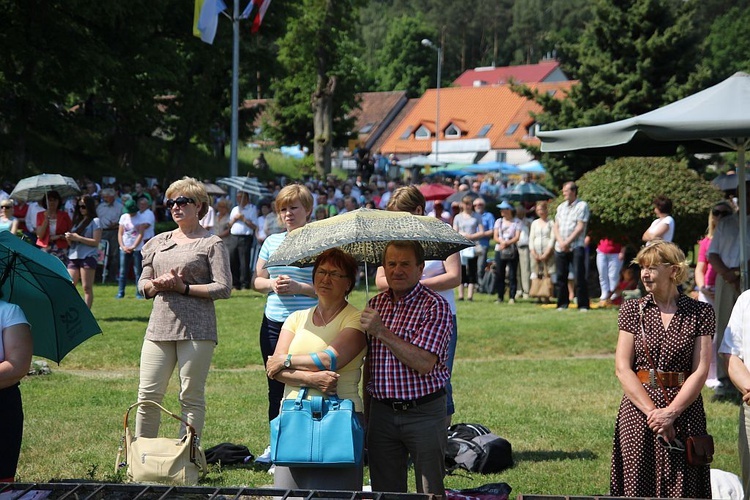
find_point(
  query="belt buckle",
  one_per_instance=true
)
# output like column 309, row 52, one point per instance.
column 680, row 379
column 652, row 377
column 401, row 405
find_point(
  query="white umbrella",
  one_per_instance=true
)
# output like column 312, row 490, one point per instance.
column 249, row 185
column 713, row 120
column 34, row 188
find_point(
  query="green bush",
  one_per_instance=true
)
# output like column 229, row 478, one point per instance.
column 620, row 195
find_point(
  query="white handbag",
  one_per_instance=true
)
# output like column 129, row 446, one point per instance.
column 162, row 460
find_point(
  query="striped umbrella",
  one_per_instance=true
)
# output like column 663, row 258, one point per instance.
column 249, row 185
column 528, row 191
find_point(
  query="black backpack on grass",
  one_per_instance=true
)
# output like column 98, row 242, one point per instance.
column 474, row 448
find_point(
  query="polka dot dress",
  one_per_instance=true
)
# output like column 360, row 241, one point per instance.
column 641, row 467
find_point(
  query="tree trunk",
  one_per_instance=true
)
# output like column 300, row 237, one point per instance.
column 322, row 105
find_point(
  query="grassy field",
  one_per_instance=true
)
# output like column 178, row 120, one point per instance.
column 542, row 379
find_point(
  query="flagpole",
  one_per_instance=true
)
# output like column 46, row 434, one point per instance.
column 235, row 87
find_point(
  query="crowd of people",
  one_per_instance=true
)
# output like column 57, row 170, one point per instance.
column 404, row 341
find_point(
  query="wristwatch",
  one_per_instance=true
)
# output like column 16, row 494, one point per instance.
column 288, row 361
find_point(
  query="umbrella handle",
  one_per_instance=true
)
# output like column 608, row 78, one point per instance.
column 8, row 267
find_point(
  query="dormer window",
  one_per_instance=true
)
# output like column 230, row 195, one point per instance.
column 453, row 132
column 422, row 133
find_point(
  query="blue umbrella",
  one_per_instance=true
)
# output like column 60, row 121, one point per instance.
column 40, row 284
column 494, row 166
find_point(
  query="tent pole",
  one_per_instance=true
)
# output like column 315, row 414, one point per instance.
column 742, row 195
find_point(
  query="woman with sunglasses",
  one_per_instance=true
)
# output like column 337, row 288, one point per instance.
column 7, row 221
column 662, row 359
column 705, row 275
column 309, row 342
column 51, row 225
column 84, row 238
column 184, row 271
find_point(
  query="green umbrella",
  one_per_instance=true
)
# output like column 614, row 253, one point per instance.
column 40, row 284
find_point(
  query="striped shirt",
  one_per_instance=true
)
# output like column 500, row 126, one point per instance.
column 279, row 307
column 423, row 318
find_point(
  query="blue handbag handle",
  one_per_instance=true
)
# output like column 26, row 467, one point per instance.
column 319, row 363
column 302, row 394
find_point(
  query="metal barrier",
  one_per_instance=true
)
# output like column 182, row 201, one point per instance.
column 113, row 491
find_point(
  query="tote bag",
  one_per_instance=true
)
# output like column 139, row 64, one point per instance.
column 316, row 432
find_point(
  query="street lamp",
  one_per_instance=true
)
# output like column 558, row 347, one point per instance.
column 427, row 43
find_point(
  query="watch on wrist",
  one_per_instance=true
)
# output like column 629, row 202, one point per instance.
column 288, row 361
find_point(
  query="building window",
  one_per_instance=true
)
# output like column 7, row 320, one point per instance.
column 512, row 128
column 407, row 133
column 367, row 128
column 484, row 130
column 534, row 129
column 422, row 133
column 453, row 132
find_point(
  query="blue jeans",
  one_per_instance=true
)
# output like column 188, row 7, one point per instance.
column 126, row 260
column 451, row 407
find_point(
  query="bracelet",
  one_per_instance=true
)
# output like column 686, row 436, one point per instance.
column 186, row 291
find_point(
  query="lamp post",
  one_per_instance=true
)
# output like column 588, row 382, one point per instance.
column 427, row 43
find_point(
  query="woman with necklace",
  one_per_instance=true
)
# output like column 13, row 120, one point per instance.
column 184, row 271
column 662, row 359
column 51, row 225
column 308, row 342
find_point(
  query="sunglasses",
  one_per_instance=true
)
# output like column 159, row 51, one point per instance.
column 181, row 201
column 5, row 207
column 720, row 213
column 675, row 445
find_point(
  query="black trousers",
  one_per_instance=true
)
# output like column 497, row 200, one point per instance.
column 11, row 431
column 240, row 248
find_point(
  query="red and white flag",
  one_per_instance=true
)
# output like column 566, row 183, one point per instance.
column 263, row 6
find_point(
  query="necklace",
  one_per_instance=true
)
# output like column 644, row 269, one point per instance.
column 320, row 314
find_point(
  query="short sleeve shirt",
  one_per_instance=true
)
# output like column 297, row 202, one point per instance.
column 567, row 217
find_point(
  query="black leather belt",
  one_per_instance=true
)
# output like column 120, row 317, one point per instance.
column 403, row 405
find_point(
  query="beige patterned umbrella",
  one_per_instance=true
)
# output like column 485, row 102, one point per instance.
column 363, row 234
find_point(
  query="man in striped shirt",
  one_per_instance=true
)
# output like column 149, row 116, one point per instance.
column 409, row 326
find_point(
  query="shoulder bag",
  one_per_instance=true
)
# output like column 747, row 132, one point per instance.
column 162, row 460
column 699, row 449
column 317, row 432
column 542, row 286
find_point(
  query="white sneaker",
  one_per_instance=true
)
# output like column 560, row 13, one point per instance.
column 272, row 470
column 265, row 458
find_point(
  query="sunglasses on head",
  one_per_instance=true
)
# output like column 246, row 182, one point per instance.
column 718, row 212
column 675, row 445
column 181, row 201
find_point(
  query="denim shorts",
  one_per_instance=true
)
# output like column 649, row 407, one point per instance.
column 87, row 263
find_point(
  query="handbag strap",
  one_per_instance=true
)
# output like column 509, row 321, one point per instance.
column 648, row 356
column 191, row 434
column 319, row 363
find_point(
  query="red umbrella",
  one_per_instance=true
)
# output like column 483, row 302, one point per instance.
column 433, row 192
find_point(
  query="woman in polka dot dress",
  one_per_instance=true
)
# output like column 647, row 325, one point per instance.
column 648, row 459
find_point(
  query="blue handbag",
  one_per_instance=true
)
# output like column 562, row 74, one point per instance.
column 317, row 432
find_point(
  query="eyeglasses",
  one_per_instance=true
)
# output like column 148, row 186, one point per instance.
column 675, row 445
column 181, row 201
column 334, row 275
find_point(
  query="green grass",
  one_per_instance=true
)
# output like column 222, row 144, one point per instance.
column 542, row 379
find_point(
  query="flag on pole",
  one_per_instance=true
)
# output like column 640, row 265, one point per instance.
column 206, row 18
column 246, row 13
column 259, row 16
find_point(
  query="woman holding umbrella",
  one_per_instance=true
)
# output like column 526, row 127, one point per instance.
column 15, row 358
column 441, row 276
column 289, row 288
column 51, row 226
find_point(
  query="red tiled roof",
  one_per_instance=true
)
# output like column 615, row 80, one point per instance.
column 470, row 109
column 525, row 73
column 374, row 110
